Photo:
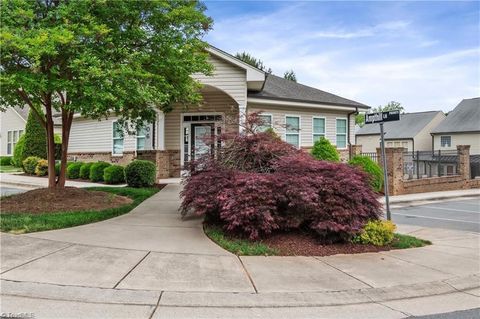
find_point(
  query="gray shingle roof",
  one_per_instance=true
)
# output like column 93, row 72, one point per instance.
column 23, row 112
column 409, row 125
column 464, row 118
column 279, row 88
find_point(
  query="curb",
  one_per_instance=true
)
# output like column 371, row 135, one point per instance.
column 236, row 299
column 443, row 197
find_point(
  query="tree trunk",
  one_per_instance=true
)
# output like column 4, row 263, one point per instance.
column 67, row 118
column 50, row 144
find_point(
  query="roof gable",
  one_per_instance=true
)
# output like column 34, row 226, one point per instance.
column 464, row 118
column 409, row 125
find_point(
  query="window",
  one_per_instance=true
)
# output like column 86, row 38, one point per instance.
column 341, row 133
column 117, row 139
column 318, row 128
column 267, row 122
column 405, row 145
column 12, row 139
column 445, row 141
column 292, row 134
column 141, row 137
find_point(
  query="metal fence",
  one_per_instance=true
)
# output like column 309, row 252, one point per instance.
column 474, row 166
column 423, row 164
column 373, row 156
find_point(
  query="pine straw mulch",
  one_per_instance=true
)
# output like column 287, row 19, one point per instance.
column 300, row 244
column 45, row 200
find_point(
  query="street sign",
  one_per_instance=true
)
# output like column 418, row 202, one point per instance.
column 380, row 117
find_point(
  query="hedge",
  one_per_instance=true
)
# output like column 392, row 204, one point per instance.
column 73, row 170
column 114, row 174
column 140, row 173
column 96, row 171
column 5, row 160
column 371, row 168
column 85, row 170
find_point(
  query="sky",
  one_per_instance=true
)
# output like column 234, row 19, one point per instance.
column 423, row 54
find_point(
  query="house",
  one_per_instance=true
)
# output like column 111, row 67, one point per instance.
column 298, row 113
column 460, row 127
column 12, row 126
column 411, row 132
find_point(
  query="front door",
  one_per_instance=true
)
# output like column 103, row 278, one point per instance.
column 202, row 139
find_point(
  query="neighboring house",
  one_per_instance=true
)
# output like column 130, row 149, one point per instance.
column 460, row 127
column 12, row 126
column 411, row 132
column 299, row 114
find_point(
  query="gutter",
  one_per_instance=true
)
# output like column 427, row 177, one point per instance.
column 348, row 131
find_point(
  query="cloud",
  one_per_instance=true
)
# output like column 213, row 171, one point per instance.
column 365, row 32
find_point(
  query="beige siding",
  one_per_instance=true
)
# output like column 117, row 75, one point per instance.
column 9, row 121
column 96, row 136
column 369, row 142
column 212, row 102
column 472, row 139
column 228, row 78
column 423, row 140
column 306, row 121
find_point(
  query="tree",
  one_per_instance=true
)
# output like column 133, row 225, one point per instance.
column 290, row 75
column 35, row 143
column 249, row 59
column 99, row 58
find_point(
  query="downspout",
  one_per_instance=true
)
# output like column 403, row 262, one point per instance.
column 348, row 131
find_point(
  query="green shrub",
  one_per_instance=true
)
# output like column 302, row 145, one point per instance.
column 96, row 171
column 5, row 160
column 114, row 174
column 57, row 167
column 73, row 170
column 35, row 138
column 140, row 173
column 324, row 150
column 85, row 170
column 30, row 163
column 42, row 168
column 376, row 232
column 18, row 152
column 371, row 168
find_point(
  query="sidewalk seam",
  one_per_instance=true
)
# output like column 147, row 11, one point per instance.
column 248, row 274
column 156, row 306
column 346, row 273
column 130, row 271
column 35, row 259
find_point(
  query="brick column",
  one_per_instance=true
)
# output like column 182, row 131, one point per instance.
column 395, row 164
column 463, row 152
column 355, row 150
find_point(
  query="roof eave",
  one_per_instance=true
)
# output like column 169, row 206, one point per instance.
column 307, row 103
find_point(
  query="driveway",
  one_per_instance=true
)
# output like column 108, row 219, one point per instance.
column 459, row 214
column 151, row 264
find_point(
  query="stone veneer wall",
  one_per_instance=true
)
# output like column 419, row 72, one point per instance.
column 398, row 186
column 124, row 159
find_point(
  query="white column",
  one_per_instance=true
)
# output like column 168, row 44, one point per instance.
column 161, row 131
column 242, row 117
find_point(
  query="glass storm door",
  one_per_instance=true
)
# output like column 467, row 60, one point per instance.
column 202, row 139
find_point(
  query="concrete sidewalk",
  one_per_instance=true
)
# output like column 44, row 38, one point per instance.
column 401, row 199
column 151, row 264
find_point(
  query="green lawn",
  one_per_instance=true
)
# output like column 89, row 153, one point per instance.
column 27, row 223
column 405, row 241
column 9, row 169
column 241, row 247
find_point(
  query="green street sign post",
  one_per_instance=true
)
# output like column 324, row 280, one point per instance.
column 382, row 117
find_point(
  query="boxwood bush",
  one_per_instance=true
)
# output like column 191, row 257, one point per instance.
column 371, row 168
column 42, row 168
column 30, row 163
column 140, row 173
column 73, row 170
column 114, row 174
column 257, row 185
column 85, row 170
column 96, row 171
column 5, row 160
column 324, row 150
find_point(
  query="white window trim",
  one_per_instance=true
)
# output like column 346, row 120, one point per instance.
column 271, row 118
column 324, row 127
column 12, row 142
column 441, row 145
column 299, row 129
column 140, row 136
column 346, row 133
column 114, row 138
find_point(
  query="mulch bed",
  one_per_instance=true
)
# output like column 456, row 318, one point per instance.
column 45, row 200
column 299, row 244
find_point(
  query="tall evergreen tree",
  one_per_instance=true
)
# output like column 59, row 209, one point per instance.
column 35, row 138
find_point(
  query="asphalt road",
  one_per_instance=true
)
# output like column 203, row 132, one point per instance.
column 464, row 314
column 461, row 214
